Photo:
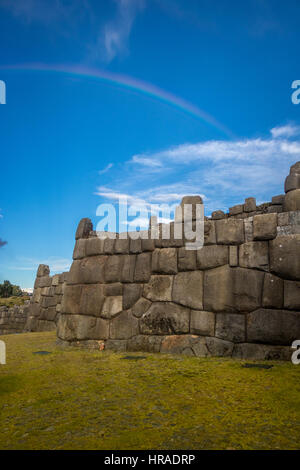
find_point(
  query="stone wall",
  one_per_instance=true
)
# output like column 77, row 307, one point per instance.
column 237, row 296
column 45, row 304
column 13, row 319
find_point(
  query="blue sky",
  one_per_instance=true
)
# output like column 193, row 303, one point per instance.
column 72, row 141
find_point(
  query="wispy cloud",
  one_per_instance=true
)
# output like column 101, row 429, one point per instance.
column 114, row 35
column 106, row 169
column 56, row 265
column 222, row 172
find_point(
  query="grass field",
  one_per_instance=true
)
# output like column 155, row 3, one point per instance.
column 75, row 399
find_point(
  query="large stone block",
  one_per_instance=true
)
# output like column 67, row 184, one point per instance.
column 85, row 226
column 109, row 246
column 144, row 343
column 210, row 232
column 272, row 292
column 128, row 268
column 94, row 246
column 92, row 269
column 140, row 307
column 81, row 327
column 230, row 231
column 180, row 344
column 261, row 352
column 122, row 246
column 188, row 289
column 235, row 210
column 92, row 299
column 292, row 200
column 124, row 326
column 75, row 274
column 113, row 289
column 159, row 288
column 164, row 261
column 212, row 256
column 80, row 248
column 250, row 204
column 143, row 267
column 273, row 326
column 186, row 259
column 44, row 281
column 292, row 295
column 233, row 256
column 219, row 347
column 43, row 270
column 202, row 323
column 232, row 289
column 192, row 201
column 71, row 300
column 113, row 268
column 165, row 318
column 231, row 327
column 254, row 255
column 284, row 256
column 132, row 293
column 264, row 226
column 112, row 306
column 292, row 181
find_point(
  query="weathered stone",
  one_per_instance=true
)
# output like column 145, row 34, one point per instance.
column 55, row 280
column 36, row 297
column 94, row 246
column 273, row 326
column 233, row 256
column 219, row 347
column 84, row 228
column 48, row 314
column 202, row 323
column 248, row 229
column 80, row 249
column 159, row 288
column 92, row 269
column 254, row 255
column 48, row 302
column 148, row 244
column 218, row 215
column 231, row 327
column 292, row 295
column 272, row 292
column 122, row 246
column 119, row 345
column 81, row 327
column 135, row 245
column 44, row 281
column 232, row 289
column 192, row 201
column 112, row 306
column 113, row 268
column 278, row 199
column 140, row 307
column 113, row 289
column 292, row 181
column 292, row 200
column 274, row 209
column 238, row 209
column 210, row 232
column 164, row 261
column 92, row 299
column 230, row 231
column 143, row 267
column 124, row 326
column 43, row 270
column 212, row 256
column 186, row 259
column 261, row 352
column 132, row 292
column 250, row 204
column 144, row 343
column 188, row 289
column 75, row 275
column 165, row 318
column 178, row 344
column 264, row 226
column 109, row 246
column 71, row 299
column 284, row 256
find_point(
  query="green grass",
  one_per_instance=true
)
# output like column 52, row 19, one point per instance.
column 76, row 399
column 15, row 300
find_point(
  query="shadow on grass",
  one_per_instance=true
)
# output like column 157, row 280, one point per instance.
column 9, row 384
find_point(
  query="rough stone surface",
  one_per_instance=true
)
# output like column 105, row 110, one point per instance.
column 165, row 318
column 264, row 226
column 273, row 326
column 292, row 295
column 292, row 200
column 132, row 292
column 164, row 260
column 284, row 256
column 188, row 289
column 250, row 204
column 231, row 327
column 254, row 255
column 230, row 231
column 202, row 323
column 272, row 291
column 124, row 326
column 212, row 256
column 159, row 288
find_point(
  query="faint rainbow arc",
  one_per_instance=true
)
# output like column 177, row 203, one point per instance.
column 126, row 82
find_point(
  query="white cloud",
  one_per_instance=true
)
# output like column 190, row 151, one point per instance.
column 106, row 169
column 56, row 265
column 290, row 130
column 114, row 36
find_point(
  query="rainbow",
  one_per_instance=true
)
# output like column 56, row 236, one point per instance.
column 126, row 82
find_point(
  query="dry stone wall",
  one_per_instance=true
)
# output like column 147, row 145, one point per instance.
column 237, row 296
column 13, row 319
column 45, row 305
